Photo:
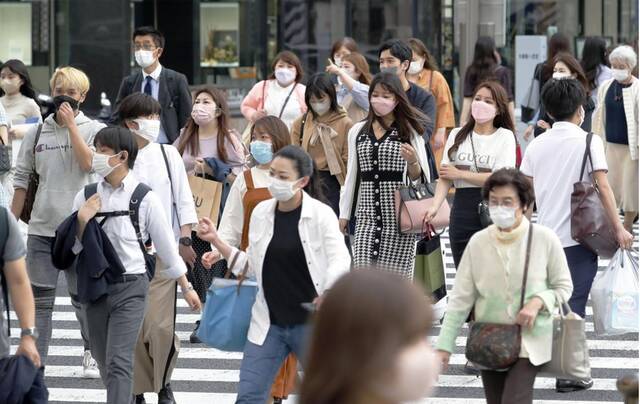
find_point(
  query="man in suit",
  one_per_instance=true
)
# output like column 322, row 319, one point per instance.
column 167, row 86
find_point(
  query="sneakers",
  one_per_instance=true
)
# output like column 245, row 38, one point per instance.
column 193, row 338
column 89, row 367
column 567, row 386
column 165, row 396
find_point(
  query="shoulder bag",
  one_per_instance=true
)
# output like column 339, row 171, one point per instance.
column 494, row 346
column 590, row 225
column 34, row 181
column 412, row 201
column 483, row 206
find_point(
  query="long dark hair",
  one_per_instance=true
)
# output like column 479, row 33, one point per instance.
column 557, row 43
column 306, row 167
column 17, row 67
column 484, row 60
column 407, row 118
column 190, row 140
column 421, row 49
column 575, row 67
column 319, row 85
column 501, row 120
column 594, row 54
column 366, row 319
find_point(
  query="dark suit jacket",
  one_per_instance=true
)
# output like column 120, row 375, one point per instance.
column 425, row 102
column 173, row 95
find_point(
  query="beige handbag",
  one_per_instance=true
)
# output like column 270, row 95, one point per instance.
column 570, row 353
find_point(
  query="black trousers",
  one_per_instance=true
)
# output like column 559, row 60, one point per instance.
column 514, row 386
column 464, row 221
column 331, row 189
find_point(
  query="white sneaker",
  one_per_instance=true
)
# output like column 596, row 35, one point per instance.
column 89, row 367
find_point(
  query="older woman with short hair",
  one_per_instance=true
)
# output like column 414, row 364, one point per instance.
column 616, row 120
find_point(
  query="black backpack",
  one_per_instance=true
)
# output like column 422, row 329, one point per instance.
column 134, row 214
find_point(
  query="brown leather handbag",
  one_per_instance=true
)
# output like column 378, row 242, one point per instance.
column 492, row 346
column 34, row 181
column 590, row 225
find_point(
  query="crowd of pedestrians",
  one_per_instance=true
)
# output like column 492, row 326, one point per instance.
column 310, row 208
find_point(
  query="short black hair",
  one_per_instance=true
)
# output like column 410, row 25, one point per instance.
column 318, row 85
column 136, row 105
column 562, row 98
column 118, row 139
column 514, row 178
column 157, row 36
column 398, row 49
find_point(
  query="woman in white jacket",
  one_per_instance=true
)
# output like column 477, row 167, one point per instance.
column 385, row 151
column 296, row 253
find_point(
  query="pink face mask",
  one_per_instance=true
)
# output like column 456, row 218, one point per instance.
column 203, row 114
column 482, row 112
column 382, row 106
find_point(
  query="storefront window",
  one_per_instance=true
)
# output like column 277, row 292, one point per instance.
column 15, row 31
column 219, row 41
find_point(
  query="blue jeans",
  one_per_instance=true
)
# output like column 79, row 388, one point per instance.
column 583, row 265
column 261, row 363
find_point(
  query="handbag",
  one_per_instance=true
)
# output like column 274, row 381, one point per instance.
column 483, row 206
column 412, row 201
column 34, row 181
column 227, row 311
column 570, row 353
column 590, row 225
column 21, row 382
column 429, row 267
column 5, row 157
column 495, row 346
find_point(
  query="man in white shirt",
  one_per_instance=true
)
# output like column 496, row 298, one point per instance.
column 162, row 169
column 553, row 160
column 115, row 319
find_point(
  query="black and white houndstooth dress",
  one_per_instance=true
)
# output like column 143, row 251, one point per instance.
column 377, row 240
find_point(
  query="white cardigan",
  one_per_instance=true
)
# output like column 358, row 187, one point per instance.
column 324, row 248
column 348, row 190
column 630, row 98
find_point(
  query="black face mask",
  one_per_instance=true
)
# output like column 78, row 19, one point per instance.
column 60, row 99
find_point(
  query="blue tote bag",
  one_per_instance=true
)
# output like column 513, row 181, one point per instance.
column 227, row 314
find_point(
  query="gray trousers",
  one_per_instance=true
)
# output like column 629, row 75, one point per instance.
column 114, row 323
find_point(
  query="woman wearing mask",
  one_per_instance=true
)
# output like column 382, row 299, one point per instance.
column 616, row 120
column 281, row 95
column 424, row 72
column 296, row 253
column 385, row 151
column 322, row 132
column 268, row 136
column 595, row 64
column 489, row 282
column 17, row 94
column 209, row 146
column 377, row 352
column 485, row 67
column 353, row 85
column 483, row 145
column 343, row 48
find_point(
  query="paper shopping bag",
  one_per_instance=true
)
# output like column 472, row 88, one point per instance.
column 206, row 196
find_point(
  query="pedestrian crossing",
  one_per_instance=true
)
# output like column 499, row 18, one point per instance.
column 206, row 375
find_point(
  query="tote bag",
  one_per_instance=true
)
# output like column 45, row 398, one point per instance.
column 429, row 267
column 207, row 195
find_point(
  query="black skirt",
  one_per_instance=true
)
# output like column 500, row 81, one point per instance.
column 464, row 221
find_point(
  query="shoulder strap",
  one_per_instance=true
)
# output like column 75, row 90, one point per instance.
column 248, row 179
column 264, row 85
column 4, row 234
column 286, row 100
column 35, row 144
column 173, row 195
column 90, row 190
column 304, row 120
column 526, row 265
column 134, row 211
column 587, row 155
column 473, row 150
column 430, row 80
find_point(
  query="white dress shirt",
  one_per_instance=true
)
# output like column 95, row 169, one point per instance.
column 155, row 90
column 151, row 169
column 122, row 235
column 324, row 249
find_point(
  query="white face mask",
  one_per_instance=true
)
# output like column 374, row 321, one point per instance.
column 149, row 129
column 620, row 74
column 560, row 76
column 144, row 58
column 285, row 76
column 502, row 216
column 322, row 107
column 337, row 60
column 100, row 164
column 415, row 374
column 282, row 190
column 416, row 67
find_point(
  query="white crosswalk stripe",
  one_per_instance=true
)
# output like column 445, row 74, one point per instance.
column 206, row 375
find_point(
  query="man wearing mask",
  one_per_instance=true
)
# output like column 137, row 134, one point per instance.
column 59, row 151
column 166, row 86
column 395, row 57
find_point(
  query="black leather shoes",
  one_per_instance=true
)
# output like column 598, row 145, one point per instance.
column 567, row 386
column 165, row 396
column 139, row 399
column 193, row 338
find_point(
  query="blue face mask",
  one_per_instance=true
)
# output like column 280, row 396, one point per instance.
column 261, row 151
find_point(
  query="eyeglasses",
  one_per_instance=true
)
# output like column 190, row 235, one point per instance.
column 146, row 47
column 505, row 204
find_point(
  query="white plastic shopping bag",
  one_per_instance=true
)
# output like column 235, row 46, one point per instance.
column 615, row 296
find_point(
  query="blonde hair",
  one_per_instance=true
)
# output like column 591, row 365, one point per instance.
column 70, row 77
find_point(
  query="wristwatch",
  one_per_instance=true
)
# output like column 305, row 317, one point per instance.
column 30, row 332
column 186, row 241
